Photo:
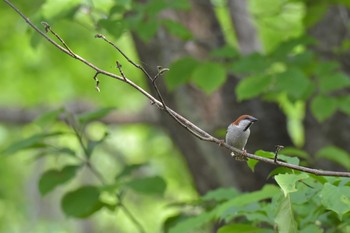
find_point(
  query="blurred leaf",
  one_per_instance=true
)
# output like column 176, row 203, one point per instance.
column 287, row 182
column 152, row 7
column 289, row 159
column 333, row 82
column 128, row 169
column 336, row 199
column 280, row 170
column 311, row 229
column 292, row 151
column 252, row 162
column 336, row 155
column 114, row 27
column 344, row 104
column 190, row 224
column 94, row 115
column 209, row 76
column 179, row 4
column 57, row 9
column 251, row 64
column 225, row 52
column 47, row 119
column 253, row 86
column 120, row 7
column 154, row 185
column 220, row 194
column 268, row 191
column 285, row 217
column 53, row 178
column 33, row 142
column 265, row 154
column 177, row 29
column 294, row 82
column 146, row 29
column 92, row 144
column 180, row 72
column 323, row 107
column 82, row 202
column 241, row 228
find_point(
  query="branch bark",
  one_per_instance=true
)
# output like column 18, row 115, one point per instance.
column 189, row 126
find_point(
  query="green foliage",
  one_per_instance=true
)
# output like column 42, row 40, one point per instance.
column 285, row 217
column 147, row 185
column 86, row 200
column 82, row 202
column 336, row 155
column 180, row 72
column 301, row 204
column 209, row 76
column 53, row 178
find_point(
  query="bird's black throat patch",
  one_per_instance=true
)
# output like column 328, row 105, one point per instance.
column 247, row 127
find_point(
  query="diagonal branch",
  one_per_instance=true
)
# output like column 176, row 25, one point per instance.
column 192, row 128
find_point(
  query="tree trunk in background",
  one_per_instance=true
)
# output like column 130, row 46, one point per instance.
column 210, row 166
column 330, row 33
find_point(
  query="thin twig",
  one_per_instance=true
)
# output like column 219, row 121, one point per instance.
column 124, row 55
column 48, row 29
column 278, row 148
column 97, row 82
column 192, row 128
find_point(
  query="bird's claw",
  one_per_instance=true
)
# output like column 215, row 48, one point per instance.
column 240, row 157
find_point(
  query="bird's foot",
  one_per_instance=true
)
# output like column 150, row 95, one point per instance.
column 240, row 157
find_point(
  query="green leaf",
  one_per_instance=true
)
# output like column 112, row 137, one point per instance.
column 253, row 86
column 294, row 82
column 47, row 119
column 322, row 107
column 180, row 72
column 251, row 64
column 311, row 229
column 287, row 182
column 128, row 169
column 285, row 217
column 56, row 9
column 289, row 159
column 82, row 202
column 92, row 144
column 53, row 178
column 225, row 52
column 333, row 82
column 154, row 185
column 33, row 142
column 146, row 29
column 241, row 228
column 292, row 151
column 295, row 111
column 266, row 154
column 268, row 191
column 220, row 194
column 336, row 199
column 209, row 76
column 344, row 104
column 177, row 29
column 336, row 155
column 190, row 224
column 114, row 27
column 94, row 115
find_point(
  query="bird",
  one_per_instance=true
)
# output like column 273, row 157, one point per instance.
column 238, row 133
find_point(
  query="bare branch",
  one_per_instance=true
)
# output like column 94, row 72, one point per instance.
column 192, row 128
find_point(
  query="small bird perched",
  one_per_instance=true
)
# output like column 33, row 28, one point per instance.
column 238, row 133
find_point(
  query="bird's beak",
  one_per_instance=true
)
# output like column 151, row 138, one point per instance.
column 253, row 119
